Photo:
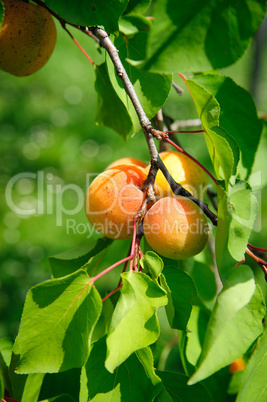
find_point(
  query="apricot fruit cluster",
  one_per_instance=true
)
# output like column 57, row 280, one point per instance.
column 175, row 227
column 27, row 37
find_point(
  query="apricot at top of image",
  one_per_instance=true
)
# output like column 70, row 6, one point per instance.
column 113, row 199
column 27, row 38
column 184, row 171
column 176, row 228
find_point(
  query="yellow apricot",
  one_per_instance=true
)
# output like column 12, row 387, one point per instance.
column 184, row 171
column 127, row 161
column 176, row 228
column 113, row 199
column 27, row 38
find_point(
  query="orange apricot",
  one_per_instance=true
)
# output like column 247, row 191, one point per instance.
column 238, row 365
column 113, row 199
column 184, row 171
column 27, row 37
column 176, row 228
column 127, row 161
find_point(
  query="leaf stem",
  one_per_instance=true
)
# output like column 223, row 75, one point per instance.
column 261, row 262
column 133, row 251
column 111, row 267
column 258, row 248
column 78, row 44
column 111, row 293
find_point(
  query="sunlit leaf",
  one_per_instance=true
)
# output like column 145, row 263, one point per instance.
column 238, row 116
column 236, row 216
column 57, row 323
column 253, row 387
column 153, row 263
column 134, row 323
column 237, row 316
column 220, row 150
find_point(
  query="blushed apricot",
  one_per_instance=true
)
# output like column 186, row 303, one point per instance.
column 184, row 171
column 128, row 161
column 113, row 199
column 176, row 228
column 27, row 38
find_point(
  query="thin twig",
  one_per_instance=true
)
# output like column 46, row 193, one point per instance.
column 177, row 88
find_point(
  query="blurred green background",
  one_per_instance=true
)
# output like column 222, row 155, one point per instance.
column 49, row 138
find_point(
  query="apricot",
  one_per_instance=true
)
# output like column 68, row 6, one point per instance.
column 127, row 161
column 238, row 365
column 184, row 171
column 113, row 199
column 27, row 38
column 176, row 228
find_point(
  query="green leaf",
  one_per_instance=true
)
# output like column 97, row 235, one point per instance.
column 57, row 323
column 238, row 116
column 137, row 6
column 111, row 111
column 243, row 207
column 134, row 323
column 112, row 396
column 236, row 216
column 237, row 316
column 97, row 12
column 66, row 382
column 219, row 147
column 153, row 263
column 180, row 290
column 152, row 89
column 205, row 283
column 135, row 377
column 253, row 388
column 214, row 33
column 176, row 386
column 197, row 326
column 62, row 398
column 6, row 345
column 71, row 260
